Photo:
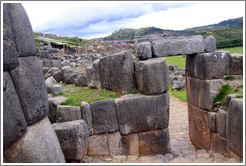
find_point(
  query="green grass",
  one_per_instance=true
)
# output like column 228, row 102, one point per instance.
column 229, row 77
column 221, row 96
column 77, row 94
column 176, row 60
column 232, row 50
column 181, row 94
column 239, row 96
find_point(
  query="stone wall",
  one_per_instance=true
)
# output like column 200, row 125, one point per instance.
column 28, row 135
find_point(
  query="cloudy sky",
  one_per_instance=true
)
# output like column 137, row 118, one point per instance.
column 99, row 19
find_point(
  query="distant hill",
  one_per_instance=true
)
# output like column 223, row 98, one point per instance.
column 228, row 33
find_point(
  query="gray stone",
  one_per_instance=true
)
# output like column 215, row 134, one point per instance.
column 45, row 70
column 49, row 82
column 87, row 116
column 235, row 64
column 228, row 99
column 57, row 63
column 58, row 76
column 47, row 63
column 53, row 70
column 67, row 71
column 95, row 81
column 152, row 76
column 66, row 63
column 201, row 93
column 43, row 54
column 219, row 144
column 10, row 55
column 234, row 132
column 47, row 75
column 144, row 50
column 56, row 89
column 177, row 46
column 172, row 68
column 81, row 80
column 178, row 85
column 53, row 102
column 88, row 74
column 210, row 43
column 103, row 110
column 67, row 113
column 31, row 90
column 208, row 66
column 212, row 121
column 39, row 145
column 24, row 38
column 117, row 72
column 14, row 123
column 71, row 79
column 140, row 113
column 221, row 122
column 73, row 137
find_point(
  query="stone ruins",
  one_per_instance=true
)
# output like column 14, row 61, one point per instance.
column 37, row 129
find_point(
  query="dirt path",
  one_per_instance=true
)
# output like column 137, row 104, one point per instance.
column 182, row 149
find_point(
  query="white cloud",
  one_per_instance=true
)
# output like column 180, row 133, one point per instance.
column 85, row 19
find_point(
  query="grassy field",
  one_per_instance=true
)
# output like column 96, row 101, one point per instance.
column 180, row 60
column 181, row 94
column 77, row 94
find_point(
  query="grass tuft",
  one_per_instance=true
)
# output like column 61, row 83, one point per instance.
column 229, row 77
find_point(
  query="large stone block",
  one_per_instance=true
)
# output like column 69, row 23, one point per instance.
column 56, row 63
column 152, row 76
column 103, row 110
column 22, row 29
column 88, row 74
column 144, row 50
column 98, row 144
column 221, row 122
column 199, row 131
column 39, row 145
column 10, row 54
column 53, row 102
column 212, row 121
column 218, row 143
column 73, row 137
column 236, row 64
column 67, row 113
column 67, row 71
column 210, row 43
column 140, row 113
column 117, row 72
column 31, row 89
column 87, row 115
column 14, row 123
column 154, row 142
column 202, row 93
column 130, row 144
column 94, row 75
column 81, row 80
column 208, row 66
column 178, row 46
column 235, row 126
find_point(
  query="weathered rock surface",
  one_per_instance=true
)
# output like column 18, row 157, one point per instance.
column 208, row 66
column 49, row 82
column 94, row 75
column 73, row 137
column 58, row 76
column 201, row 93
column 10, row 54
column 236, row 64
column 221, row 122
column 199, row 130
column 178, row 46
column 210, row 43
column 152, row 76
column 67, row 71
column 14, row 123
column 103, row 110
column 212, row 121
column 117, row 72
column 235, row 126
column 81, row 80
column 24, row 38
column 144, row 50
column 86, row 115
column 31, row 90
column 219, row 143
column 140, row 113
column 39, row 145
column 154, row 142
column 67, row 113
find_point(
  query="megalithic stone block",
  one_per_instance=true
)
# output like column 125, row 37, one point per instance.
column 22, row 29
column 152, row 76
column 144, row 50
column 31, row 89
column 14, row 122
column 178, row 46
column 207, row 66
